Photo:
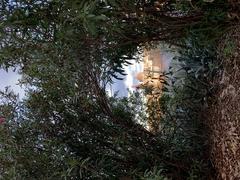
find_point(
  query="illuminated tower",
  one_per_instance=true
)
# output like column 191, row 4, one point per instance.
column 151, row 79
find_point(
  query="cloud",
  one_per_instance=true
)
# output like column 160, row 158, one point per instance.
column 129, row 80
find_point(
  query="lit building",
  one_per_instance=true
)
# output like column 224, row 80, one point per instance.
column 151, row 80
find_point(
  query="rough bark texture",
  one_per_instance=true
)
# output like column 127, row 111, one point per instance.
column 224, row 112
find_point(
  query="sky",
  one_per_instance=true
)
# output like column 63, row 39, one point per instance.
column 129, row 80
column 10, row 78
column 122, row 86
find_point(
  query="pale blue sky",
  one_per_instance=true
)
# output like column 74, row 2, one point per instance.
column 10, row 78
column 128, row 81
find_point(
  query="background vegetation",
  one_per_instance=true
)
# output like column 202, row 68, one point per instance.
column 67, row 51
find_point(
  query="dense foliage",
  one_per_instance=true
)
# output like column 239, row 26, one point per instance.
column 67, row 51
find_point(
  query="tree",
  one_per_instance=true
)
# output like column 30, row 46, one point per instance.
column 67, row 51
